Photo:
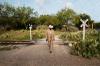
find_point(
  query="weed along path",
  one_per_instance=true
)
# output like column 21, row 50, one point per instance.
column 38, row 55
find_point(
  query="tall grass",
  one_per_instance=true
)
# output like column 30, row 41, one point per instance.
column 21, row 35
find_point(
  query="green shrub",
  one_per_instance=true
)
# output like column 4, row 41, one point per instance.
column 98, row 39
column 15, row 35
column 91, row 34
column 77, row 36
column 38, row 34
column 69, row 28
column 90, row 47
column 72, row 29
column 71, row 36
column 86, row 49
column 63, row 36
column 22, row 35
column 42, row 27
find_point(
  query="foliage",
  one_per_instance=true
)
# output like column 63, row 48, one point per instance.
column 15, row 17
column 21, row 35
column 64, row 14
column 76, row 36
column 88, row 48
column 98, row 36
column 20, row 17
column 49, row 19
column 83, row 16
column 70, row 28
column 42, row 27
column 71, row 36
column 38, row 34
column 11, row 35
column 97, row 25
column 98, row 39
column 91, row 34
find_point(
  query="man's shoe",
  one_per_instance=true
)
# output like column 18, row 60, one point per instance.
column 50, row 51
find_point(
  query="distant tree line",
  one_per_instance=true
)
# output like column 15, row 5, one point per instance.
column 97, row 25
column 20, row 17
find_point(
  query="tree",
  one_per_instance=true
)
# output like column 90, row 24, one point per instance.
column 43, row 19
column 16, row 17
column 97, row 25
column 23, row 15
column 84, row 16
column 65, row 14
column 49, row 19
column 6, row 14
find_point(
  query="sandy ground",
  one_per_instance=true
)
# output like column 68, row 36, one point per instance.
column 38, row 55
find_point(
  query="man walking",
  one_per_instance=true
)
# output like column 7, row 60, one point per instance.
column 50, row 37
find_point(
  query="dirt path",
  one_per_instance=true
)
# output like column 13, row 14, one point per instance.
column 38, row 55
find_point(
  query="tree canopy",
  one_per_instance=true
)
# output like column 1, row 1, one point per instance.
column 20, row 17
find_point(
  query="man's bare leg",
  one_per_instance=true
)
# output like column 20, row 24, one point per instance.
column 51, row 47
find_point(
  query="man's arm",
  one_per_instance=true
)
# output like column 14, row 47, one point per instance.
column 53, row 36
column 46, row 34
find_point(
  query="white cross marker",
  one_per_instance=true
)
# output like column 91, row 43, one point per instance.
column 30, row 27
column 84, row 25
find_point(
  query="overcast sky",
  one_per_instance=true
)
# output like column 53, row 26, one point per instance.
column 90, row 7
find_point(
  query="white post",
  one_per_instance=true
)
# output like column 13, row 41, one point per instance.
column 84, row 25
column 84, row 32
column 30, row 32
